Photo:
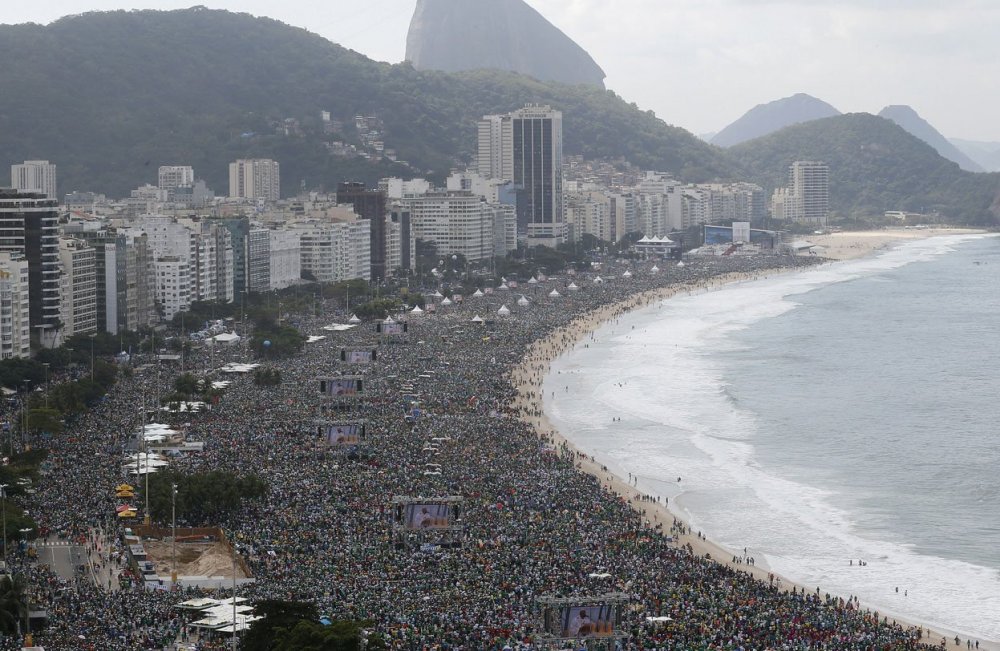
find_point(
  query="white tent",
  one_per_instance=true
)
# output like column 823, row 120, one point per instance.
column 339, row 327
column 533, row 281
column 437, row 294
column 523, row 302
column 655, row 269
column 680, row 264
column 598, row 281
column 388, row 319
column 478, row 293
column 573, row 287
column 416, row 310
column 314, row 339
column 554, row 294
column 503, row 311
column 354, row 319
column 446, row 301
column 503, row 286
column 627, row 274
column 227, row 338
column 477, row 319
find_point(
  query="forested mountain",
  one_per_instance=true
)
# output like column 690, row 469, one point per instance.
column 875, row 165
column 109, row 97
column 456, row 35
column 773, row 116
column 910, row 120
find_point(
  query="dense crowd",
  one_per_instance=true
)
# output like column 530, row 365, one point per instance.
column 534, row 524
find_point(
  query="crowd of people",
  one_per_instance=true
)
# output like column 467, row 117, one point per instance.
column 533, row 523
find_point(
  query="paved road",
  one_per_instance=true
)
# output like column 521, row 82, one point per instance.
column 62, row 556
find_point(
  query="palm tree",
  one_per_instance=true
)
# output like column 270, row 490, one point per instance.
column 13, row 603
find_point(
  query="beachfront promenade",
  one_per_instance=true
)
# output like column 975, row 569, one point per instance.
column 535, row 523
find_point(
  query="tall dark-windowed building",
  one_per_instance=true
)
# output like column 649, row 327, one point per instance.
column 29, row 225
column 370, row 205
column 526, row 147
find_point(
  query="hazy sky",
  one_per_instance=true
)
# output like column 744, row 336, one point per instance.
column 700, row 64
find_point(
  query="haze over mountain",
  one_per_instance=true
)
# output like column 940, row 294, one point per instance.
column 109, row 97
column 456, row 35
column 907, row 118
column 768, row 118
column 985, row 154
column 875, row 166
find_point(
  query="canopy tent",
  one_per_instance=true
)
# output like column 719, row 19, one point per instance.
column 627, row 274
column 680, row 264
column 523, row 301
column 573, row 287
column 655, row 269
column 437, row 294
column 229, row 338
column 354, row 319
column 503, row 311
column 315, row 339
column 234, row 367
column 477, row 319
column 338, row 327
column 446, row 301
column 416, row 310
column 533, row 281
column 478, row 293
column 503, row 286
column 554, row 294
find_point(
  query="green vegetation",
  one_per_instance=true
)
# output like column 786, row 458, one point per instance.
column 202, row 498
column 296, row 626
column 13, row 603
column 874, row 166
column 267, row 377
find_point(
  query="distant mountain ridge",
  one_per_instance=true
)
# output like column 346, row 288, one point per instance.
column 985, row 154
column 765, row 119
column 203, row 88
column 907, row 118
column 457, row 35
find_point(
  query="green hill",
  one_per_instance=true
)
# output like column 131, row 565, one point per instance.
column 109, row 97
column 875, row 166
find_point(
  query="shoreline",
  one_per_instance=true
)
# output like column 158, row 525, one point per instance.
column 529, row 376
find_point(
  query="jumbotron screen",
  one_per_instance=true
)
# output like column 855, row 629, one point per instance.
column 396, row 328
column 342, row 433
column 586, row 621
column 358, row 356
column 341, row 386
column 426, row 516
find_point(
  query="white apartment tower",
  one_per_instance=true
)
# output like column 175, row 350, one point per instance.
column 810, row 191
column 15, row 327
column 174, row 176
column 37, row 176
column 457, row 222
column 79, row 287
column 257, row 178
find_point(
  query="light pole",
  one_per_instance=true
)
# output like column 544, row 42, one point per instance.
column 3, row 495
column 146, row 518
column 28, row 641
column 92, row 336
column 173, row 538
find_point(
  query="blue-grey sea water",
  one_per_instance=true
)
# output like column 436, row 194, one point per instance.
column 845, row 413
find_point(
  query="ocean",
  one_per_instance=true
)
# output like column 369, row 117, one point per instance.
column 849, row 412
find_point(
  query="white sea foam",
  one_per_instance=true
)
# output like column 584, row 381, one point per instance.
column 657, row 370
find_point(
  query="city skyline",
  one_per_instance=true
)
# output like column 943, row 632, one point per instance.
column 736, row 53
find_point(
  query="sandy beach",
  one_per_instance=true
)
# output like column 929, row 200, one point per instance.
column 530, row 375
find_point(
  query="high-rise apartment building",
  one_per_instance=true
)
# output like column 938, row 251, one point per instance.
column 257, row 178
column 15, row 326
column 38, row 176
column 810, row 191
column 170, row 177
column 526, row 147
column 335, row 251
column 456, row 222
column 369, row 205
column 29, row 226
column 78, row 287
